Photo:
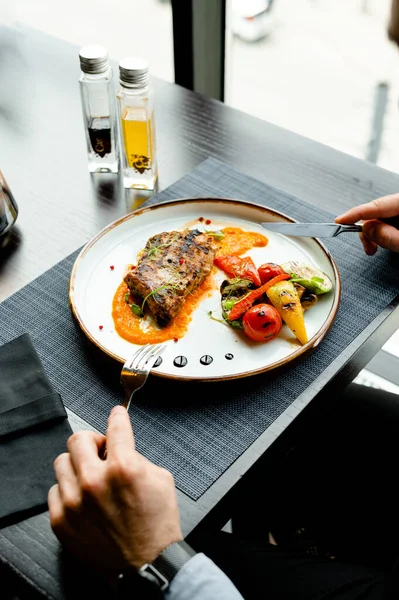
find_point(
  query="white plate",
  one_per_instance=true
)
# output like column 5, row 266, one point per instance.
column 93, row 284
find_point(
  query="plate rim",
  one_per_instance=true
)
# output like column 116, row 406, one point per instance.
column 302, row 351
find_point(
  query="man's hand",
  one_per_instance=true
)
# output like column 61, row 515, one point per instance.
column 375, row 231
column 117, row 512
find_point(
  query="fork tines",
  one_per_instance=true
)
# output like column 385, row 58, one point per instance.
column 143, row 355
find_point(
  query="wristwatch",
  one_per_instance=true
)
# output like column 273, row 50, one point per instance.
column 154, row 579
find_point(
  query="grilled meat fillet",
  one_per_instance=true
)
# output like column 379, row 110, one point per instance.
column 173, row 264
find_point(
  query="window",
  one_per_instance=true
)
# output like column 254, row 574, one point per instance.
column 323, row 69
column 124, row 27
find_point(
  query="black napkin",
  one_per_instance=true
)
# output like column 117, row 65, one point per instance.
column 34, row 429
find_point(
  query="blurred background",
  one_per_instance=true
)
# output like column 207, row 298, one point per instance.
column 323, row 69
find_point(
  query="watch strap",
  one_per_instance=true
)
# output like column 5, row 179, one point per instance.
column 139, row 584
column 172, row 559
column 154, row 579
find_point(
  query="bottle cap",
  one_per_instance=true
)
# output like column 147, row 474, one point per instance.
column 93, row 59
column 133, row 72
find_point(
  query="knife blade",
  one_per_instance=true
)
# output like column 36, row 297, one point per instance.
column 320, row 230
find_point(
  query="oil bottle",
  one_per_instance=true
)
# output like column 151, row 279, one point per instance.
column 137, row 124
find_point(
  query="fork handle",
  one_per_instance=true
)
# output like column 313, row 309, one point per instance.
column 127, row 400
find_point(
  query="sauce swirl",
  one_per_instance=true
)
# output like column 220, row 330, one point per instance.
column 235, row 241
column 144, row 330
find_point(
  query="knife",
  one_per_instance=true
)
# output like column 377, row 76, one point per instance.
column 320, row 230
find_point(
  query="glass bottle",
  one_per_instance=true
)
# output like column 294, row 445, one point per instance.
column 137, row 124
column 99, row 110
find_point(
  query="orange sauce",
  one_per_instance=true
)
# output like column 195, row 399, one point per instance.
column 236, row 241
column 142, row 331
column 131, row 328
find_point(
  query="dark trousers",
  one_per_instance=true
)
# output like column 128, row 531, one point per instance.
column 340, row 488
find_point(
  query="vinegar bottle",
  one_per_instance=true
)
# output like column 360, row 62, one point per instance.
column 137, row 125
column 99, row 110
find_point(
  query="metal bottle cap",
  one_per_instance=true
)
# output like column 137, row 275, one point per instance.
column 93, row 59
column 133, row 72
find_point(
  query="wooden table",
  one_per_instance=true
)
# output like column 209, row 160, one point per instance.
column 43, row 157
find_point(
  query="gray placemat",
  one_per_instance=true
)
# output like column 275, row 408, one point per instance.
column 197, row 440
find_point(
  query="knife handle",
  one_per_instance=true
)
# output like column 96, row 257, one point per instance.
column 347, row 228
column 394, row 221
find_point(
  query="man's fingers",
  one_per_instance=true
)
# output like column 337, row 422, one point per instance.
column 55, row 506
column 381, row 208
column 58, row 520
column 68, row 484
column 120, row 438
column 84, row 448
column 382, row 234
column 369, row 246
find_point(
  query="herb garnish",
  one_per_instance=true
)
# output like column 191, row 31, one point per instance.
column 210, row 315
column 154, row 248
column 152, row 252
column 216, row 234
column 138, row 311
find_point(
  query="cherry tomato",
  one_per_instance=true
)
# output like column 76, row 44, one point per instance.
column 261, row 323
column 269, row 270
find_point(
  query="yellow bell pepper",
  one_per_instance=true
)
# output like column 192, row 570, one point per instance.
column 284, row 297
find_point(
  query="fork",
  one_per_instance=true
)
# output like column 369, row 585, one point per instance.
column 134, row 375
column 136, row 369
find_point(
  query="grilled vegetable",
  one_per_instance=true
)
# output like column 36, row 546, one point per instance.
column 284, row 297
column 269, row 270
column 307, row 298
column 300, row 289
column 262, row 323
column 231, row 292
column 235, row 266
column 312, row 278
column 243, row 305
